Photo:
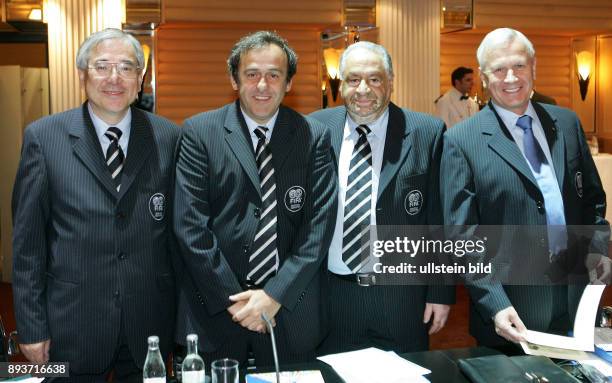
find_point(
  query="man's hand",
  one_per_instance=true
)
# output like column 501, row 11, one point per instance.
column 256, row 303
column 36, row 352
column 600, row 269
column 440, row 315
column 509, row 325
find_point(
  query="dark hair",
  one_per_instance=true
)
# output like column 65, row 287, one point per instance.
column 459, row 73
column 257, row 40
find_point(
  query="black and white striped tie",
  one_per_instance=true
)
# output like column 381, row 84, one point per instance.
column 356, row 226
column 263, row 261
column 114, row 155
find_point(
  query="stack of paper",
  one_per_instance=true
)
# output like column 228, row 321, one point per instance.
column 311, row 376
column 557, row 346
column 375, row 366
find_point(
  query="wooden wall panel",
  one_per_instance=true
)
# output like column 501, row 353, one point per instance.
column 553, row 55
column 191, row 68
column 604, row 94
column 546, row 14
column 321, row 12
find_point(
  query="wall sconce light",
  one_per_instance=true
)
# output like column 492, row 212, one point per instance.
column 36, row 14
column 584, row 69
column 332, row 63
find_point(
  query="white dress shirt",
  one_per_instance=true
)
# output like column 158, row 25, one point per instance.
column 376, row 138
column 252, row 125
column 452, row 109
column 125, row 126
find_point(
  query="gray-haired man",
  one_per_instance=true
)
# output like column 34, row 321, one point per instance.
column 93, row 274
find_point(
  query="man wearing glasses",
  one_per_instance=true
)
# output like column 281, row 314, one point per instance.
column 93, row 273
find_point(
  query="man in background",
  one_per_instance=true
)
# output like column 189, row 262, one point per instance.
column 455, row 105
column 93, row 274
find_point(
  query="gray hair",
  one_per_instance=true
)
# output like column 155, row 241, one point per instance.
column 372, row 47
column 258, row 40
column 90, row 43
column 502, row 37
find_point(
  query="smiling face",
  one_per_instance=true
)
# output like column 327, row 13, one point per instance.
column 509, row 73
column 366, row 86
column 110, row 96
column 262, row 85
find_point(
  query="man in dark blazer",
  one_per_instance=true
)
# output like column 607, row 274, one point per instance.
column 255, row 202
column 402, row 149
column 519, row 162
column 92, row 273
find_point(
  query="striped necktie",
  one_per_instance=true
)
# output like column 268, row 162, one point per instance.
column 357, row 203
column 114, row 155
column 264, row 261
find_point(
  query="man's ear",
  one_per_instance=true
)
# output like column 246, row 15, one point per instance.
column 483, row 77
column 82, row 77
column 235, row 85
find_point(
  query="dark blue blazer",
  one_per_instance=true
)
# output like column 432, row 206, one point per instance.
column 487, row 181
column 217, row 207
column 411, row 161
column 86, row 258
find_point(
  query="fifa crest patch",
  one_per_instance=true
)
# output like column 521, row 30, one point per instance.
column 294, row 198
column 157, row 204
column 413, row 202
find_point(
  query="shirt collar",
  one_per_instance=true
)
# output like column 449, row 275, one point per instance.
column 101, row 126
column 510, row 118
column 377, row 127
column 455, row 94
column 252, row 125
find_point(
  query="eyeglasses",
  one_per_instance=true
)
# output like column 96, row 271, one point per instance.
column 124, row 69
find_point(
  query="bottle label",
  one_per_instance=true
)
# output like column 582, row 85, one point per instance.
column 154, row 380
column 193, row 377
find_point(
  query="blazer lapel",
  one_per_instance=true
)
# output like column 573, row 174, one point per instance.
column 556, row 142
column 502, row 143
column 240, row 143
column 337, row 120
column 140, row 146
column 397, row 146
column 283, row 137
column 87, row 148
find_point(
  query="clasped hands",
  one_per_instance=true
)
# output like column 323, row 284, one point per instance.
column 248, row 307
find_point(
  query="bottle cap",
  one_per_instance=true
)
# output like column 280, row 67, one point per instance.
column 192, row 338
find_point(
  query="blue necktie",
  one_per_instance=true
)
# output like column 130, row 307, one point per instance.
column 553, row 201
column 533, row 151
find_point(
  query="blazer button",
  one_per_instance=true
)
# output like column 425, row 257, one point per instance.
column 245, row 248
column 122, row 255
column 120, row 215
column 379, row 209
column 116, row 294
column 257, row 212
column 540, row 206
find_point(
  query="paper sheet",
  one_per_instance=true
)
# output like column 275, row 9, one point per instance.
column 287, row 377
column 583, row 339
column 373, row 365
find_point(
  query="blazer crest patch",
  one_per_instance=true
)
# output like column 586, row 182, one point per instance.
column 157, row 204
column 294, row 198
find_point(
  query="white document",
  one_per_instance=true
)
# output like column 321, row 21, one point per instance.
column 373, row 365
column 309, row 376
column 584, row 330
